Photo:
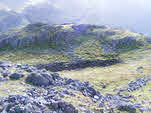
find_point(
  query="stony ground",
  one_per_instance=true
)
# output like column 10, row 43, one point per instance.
column 39, row 90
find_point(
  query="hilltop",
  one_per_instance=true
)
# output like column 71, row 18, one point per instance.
column 71, row 41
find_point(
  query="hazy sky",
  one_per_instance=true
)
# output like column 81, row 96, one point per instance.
column 131, row 14
column 105, row 6
column 144, row 4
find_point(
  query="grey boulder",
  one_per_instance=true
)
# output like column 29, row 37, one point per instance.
column 38, row 79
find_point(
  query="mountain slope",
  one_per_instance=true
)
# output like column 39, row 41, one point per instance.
column 115, row 62
column 82, row 41
column 11, row 20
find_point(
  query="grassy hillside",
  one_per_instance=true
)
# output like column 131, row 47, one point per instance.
column 44, row 44
column 69, row 41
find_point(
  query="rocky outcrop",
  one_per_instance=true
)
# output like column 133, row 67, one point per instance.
column 136, row 84
column 67, row 37
column 39, row 103
column 121, row 45
column 120, row 103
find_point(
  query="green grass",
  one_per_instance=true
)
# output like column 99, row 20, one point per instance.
column 12, row 87
column 115, row 76
column 118, row 76
column 32, row 56
column 89, row 50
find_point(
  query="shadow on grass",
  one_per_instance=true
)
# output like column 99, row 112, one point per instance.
column 80, row 64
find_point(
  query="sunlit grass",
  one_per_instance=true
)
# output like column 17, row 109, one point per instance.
column 32, row 56
column 114, row 76
column 12, row 87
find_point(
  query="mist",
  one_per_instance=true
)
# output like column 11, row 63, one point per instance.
column 128, row 14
